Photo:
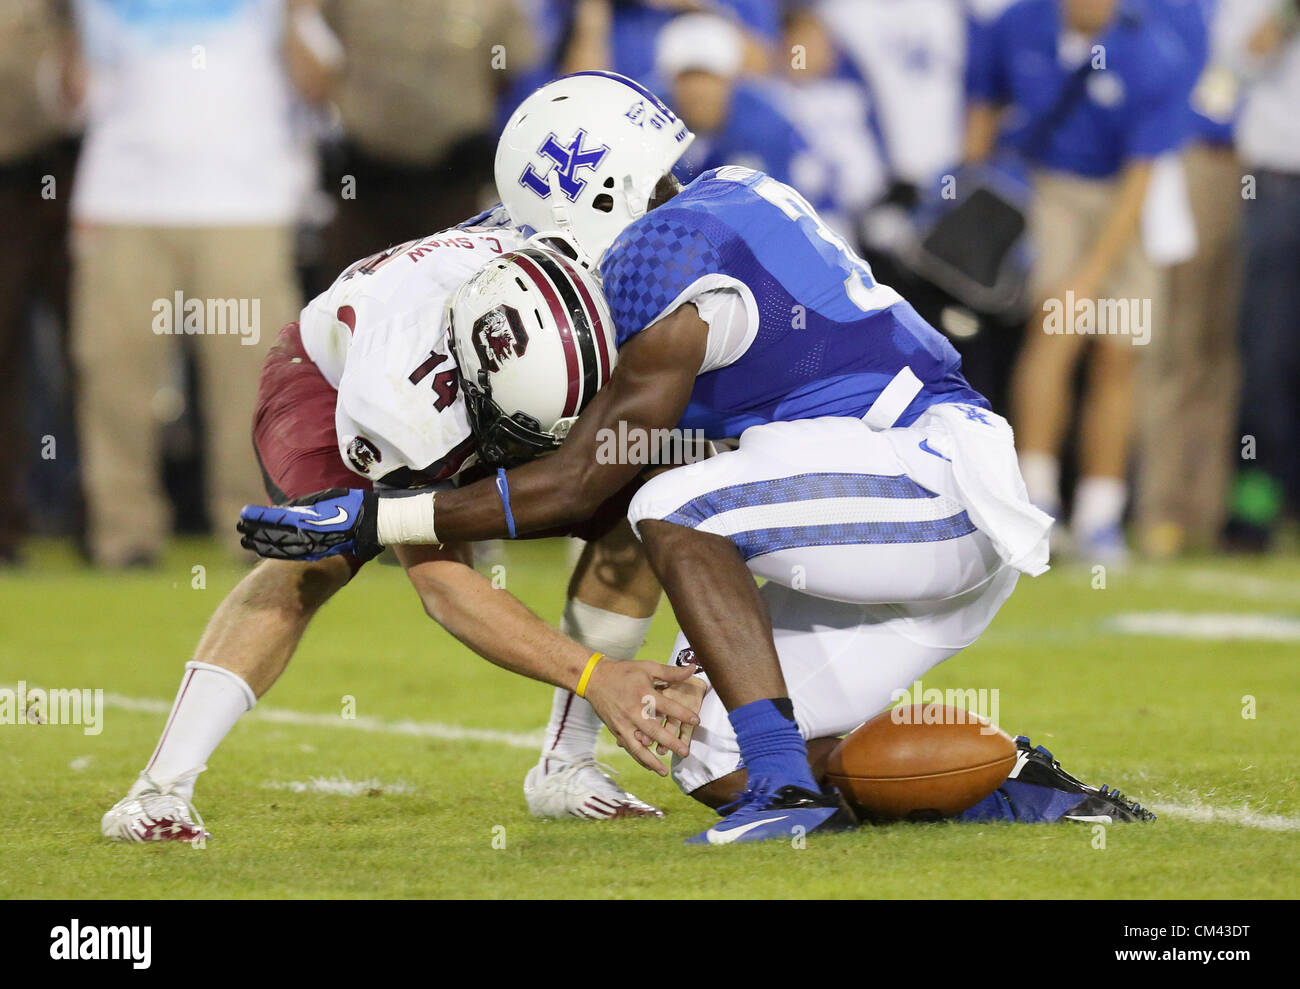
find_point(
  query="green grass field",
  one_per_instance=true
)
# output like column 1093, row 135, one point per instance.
column 441, row 741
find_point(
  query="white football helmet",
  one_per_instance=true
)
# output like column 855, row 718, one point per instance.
column 580, row 158
column 534, row 342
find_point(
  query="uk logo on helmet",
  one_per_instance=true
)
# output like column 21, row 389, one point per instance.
column 566, row 162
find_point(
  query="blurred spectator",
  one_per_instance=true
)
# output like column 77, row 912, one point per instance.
column 1268, row 141
column 829, row 104
column 907, row 59
column 417, row 101
column 1092, row 88
column 736, row 121
column 183, row 208
column 912, row 56
column 1190, row 370
column 35, row 171
column 622, row 35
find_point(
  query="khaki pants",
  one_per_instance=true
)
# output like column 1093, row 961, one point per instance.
column 124, row 286
column 1106, row 329
column 1190, row 372
column 1064, row 221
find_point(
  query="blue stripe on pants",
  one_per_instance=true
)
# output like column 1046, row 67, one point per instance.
column 799, row 487
column 814, row 487
column 756, row 542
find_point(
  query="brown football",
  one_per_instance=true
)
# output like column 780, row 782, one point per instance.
column 921, row 762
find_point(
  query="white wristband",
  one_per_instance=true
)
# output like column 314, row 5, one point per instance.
column 406, row 519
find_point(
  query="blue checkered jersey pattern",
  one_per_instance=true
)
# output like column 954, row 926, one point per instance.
column 829, row 338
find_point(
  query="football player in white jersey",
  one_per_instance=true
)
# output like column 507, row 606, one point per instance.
column 366, row 383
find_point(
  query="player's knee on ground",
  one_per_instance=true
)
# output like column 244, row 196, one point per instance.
column 726, row 788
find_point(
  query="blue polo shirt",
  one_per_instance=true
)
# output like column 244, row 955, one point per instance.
column 636, row 28
column 1133, row 108
column 634, row 33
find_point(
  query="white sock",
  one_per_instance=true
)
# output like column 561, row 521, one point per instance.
column 209, row 702
column 1042, row 474
column 1098, row 503
column 574, row 727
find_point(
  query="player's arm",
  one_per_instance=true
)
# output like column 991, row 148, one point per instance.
column 649, row 390
column 498, row 626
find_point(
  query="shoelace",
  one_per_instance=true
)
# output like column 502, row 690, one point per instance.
column 569, row 772
column 759, row 789
column 155, row 790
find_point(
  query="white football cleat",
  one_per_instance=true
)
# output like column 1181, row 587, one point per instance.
column 154, row 812
column 559, row 788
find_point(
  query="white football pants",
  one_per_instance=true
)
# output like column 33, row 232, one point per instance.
column 875, row 572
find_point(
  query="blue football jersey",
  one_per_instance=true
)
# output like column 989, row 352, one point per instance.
column 829, row 338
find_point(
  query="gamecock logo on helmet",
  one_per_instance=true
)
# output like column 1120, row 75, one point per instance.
column 499, row 335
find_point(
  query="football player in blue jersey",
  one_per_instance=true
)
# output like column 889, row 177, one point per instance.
column 872, row 487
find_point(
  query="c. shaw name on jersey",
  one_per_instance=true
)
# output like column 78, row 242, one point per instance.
column 379, row 336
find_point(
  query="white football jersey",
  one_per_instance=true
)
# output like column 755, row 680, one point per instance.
column 379, row 335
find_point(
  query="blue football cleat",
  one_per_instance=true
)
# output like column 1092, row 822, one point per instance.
column 760, row 814
column 1039, row 791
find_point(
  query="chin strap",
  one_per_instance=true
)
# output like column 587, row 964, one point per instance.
column 635, row 205
column 571, row 247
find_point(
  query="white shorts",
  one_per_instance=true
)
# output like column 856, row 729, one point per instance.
column 876, row 570
column 828, row 506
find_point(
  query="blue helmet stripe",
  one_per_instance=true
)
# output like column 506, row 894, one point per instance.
column 630, row 83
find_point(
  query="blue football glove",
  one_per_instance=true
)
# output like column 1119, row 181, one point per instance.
column 326, row 523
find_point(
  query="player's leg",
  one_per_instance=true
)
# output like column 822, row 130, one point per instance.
column 725, row 789
column 824, row 506
column 611, row 602
column 256, row 628
column 846, row 663
column 843, row 663
column 242, row 652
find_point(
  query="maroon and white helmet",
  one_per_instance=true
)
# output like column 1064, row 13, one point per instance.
column 534, row 342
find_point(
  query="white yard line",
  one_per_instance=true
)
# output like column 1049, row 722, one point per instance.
column 1233, row 584
column 1195, row 812
column 1243, row 816
column 1207, row 626
column 341, row 786
column 419, row 729
column 1224, row 583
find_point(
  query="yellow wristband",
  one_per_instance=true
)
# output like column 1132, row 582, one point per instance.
column 596, row 657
